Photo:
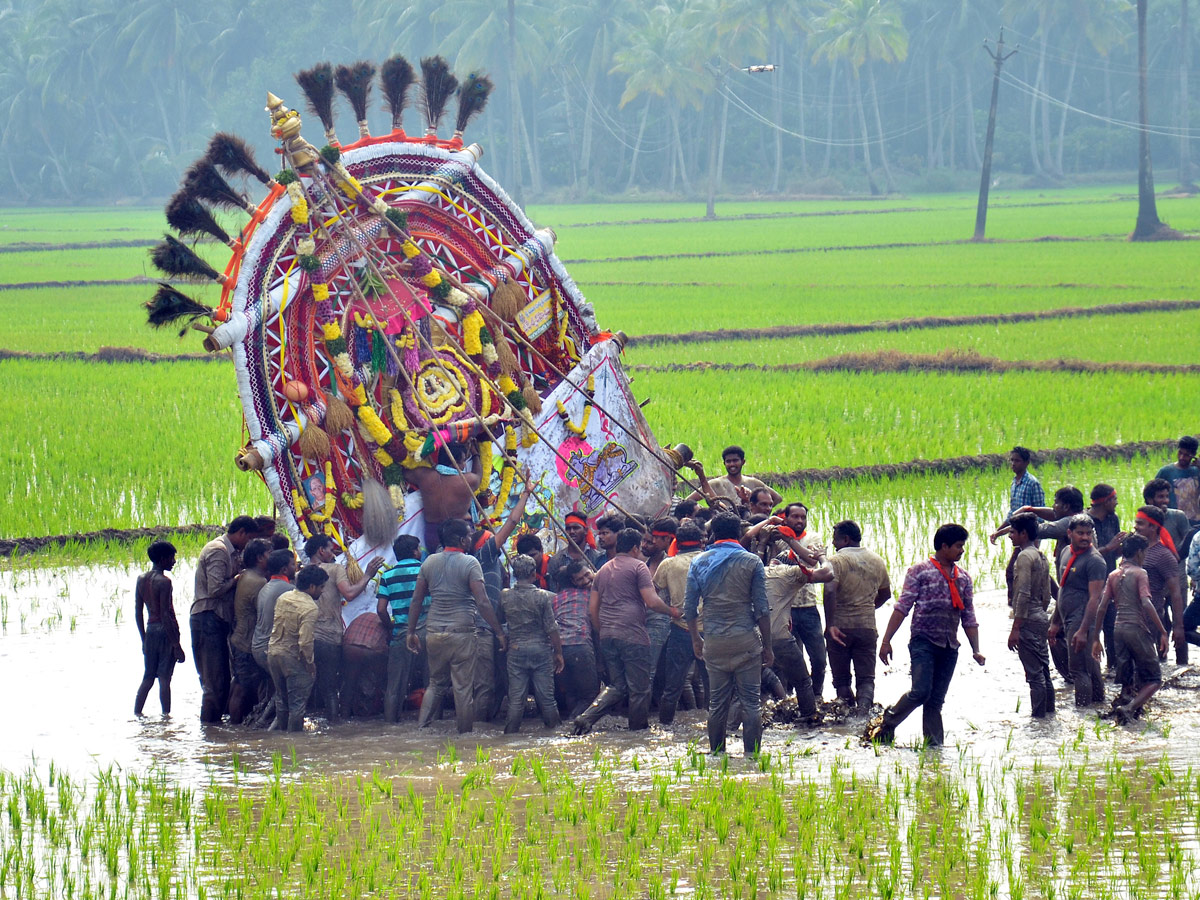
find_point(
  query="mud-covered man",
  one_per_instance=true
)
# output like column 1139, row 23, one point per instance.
column 154, row 612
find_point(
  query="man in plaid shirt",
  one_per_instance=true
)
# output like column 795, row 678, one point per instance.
column 1026, row 489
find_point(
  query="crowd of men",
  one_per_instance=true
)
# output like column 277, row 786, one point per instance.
column 705, row 608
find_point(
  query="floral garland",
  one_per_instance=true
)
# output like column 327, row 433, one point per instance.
column 589, row 395
column 301, row 216
column 485, row 467
column 388, row 447
column 508, row 471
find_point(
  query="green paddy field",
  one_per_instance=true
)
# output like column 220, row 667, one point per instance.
column 874, row 297
column 128, row 444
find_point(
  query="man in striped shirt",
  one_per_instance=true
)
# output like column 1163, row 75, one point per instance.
column 395, row 592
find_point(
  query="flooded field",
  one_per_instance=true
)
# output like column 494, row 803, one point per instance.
column 98, row 801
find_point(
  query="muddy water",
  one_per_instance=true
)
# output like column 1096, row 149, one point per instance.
column 70, row 662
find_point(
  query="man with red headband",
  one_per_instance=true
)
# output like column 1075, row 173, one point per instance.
column 1162, row 569
column 581, row 546
column 941, row 598
column 655, row 544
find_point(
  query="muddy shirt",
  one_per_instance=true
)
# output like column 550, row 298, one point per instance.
column 330, row 627
column 215, row 573
column 529, row 612
column 1127, row 588
column 292, row 631
column 732, row 584
column 1161, row 566
column 620, row 583
column 449, row 575
column 784, row 580
column 1031, row 586
column 245, row 608
column 1073, row 592
column 265, row 618
column 860, row 576
column 1107, row 529
column 571, row 614
column 670, row 581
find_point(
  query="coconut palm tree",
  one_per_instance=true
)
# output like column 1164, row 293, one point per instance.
column 1149, row 225
column 661, row 58
column 588, row 32
column 863, row 32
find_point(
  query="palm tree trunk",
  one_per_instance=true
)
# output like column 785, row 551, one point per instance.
column 862, row 124
column 514, row 101
column 683, row 175
column 829, row 118
column 571, row 141
column 972, row 138
column 637, row 145
column 585, row 152
column 777, row 112
column 950, row 124
column 1185, row 68
column 929, row 160
column 887, row 170
column 1047, row 156
column 1062, row 122
column 1033, row 110
column 1148, row 222
column 800, row 109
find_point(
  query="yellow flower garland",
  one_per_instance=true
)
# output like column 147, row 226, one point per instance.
column 472, row 326
column 383, row 457
column 410, row 249
column 432, row 278
column 399, row 420
column 320, row 292
column 506, row 483
column 375, row 428
column 485, row 466
column 331, row 330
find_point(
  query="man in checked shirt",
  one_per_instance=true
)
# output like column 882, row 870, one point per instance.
column 940, row 596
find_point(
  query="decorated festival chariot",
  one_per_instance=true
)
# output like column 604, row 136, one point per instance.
column 400, row 328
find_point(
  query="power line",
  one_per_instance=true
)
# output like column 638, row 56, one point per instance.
column 728, row 92
column 1163, row 130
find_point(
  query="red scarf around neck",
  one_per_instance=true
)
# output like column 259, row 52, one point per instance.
column 952, row 580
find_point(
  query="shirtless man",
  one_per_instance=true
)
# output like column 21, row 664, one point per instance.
column 154, row 614
column 446, row 493
column 734, row 485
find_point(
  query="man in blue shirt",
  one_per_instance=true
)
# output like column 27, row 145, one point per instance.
column 395, row 593
column 1026, row 489
column 737, row 629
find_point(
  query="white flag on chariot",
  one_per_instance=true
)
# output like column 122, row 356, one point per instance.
column 604, row 469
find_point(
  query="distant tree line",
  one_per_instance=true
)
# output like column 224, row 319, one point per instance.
column 105, row 100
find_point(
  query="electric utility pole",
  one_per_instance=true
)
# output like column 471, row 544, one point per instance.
column 985, row 181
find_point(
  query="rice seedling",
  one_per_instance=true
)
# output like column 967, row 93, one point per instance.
column 843, row 418
column 120, row 446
